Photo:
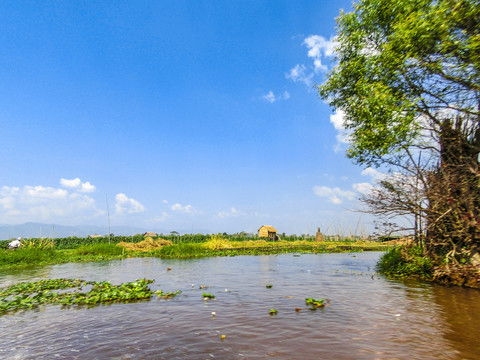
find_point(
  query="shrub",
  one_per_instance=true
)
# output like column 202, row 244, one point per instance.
column 406, row 261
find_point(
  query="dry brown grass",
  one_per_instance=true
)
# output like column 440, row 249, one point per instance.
column 149, row 244
column 399, row 242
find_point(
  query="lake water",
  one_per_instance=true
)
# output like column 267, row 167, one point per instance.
column 369, row 317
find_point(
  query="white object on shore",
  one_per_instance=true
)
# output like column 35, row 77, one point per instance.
column 15, row 243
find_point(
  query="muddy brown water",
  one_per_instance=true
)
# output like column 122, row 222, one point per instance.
column 369, row 317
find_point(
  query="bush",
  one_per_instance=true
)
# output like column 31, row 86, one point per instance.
column 406, row 261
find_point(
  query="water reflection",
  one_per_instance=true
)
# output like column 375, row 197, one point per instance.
column 459, row 310
column 369, row 317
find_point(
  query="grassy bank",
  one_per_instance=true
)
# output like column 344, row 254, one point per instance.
column 213, row 246
column 410, row 261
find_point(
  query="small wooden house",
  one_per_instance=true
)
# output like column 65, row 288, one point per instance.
column 150, row 233
column 268, row 231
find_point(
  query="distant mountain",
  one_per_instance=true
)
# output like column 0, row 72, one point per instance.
column 30, row 229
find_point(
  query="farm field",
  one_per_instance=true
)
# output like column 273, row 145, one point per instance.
column 57, row 251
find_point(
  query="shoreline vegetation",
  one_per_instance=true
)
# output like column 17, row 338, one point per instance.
column 411, row 261
column 39, row 252
column 403, row 258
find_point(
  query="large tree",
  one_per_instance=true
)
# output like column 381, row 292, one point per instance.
column 407, row 79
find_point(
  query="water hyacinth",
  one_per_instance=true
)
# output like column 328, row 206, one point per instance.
column 33, row 294
column 315, row 303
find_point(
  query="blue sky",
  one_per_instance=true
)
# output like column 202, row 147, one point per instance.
column 193, row 116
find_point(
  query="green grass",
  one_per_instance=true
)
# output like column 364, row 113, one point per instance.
column 28, row 257
column 99, row 249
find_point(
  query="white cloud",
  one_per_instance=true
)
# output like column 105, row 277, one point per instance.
column 87, row 187
column 77, row 184
column 334, row 195
column 37, row 193
column 232, row 213
column 271, row 97
column 187, row 209
column 125, row 204
column 366, row 188
column 319, row 47
column 363, row 188
column 374, row 174
column 74, row 183
column 299, row 74
column 337, row 120
column 40, row 203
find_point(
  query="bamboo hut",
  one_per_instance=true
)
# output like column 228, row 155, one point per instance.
column 268, row 231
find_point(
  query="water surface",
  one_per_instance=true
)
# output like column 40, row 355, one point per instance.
column 369, row 317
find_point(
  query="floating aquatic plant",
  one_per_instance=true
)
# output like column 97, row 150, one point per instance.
column 28, row 295
column 273, row 312
column 315, row 303
column 208, row 296
column 167, row 295
column 269, row 286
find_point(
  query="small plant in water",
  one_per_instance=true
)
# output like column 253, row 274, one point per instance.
column 273, row 312
column 208, row 296
column 269, row 286
column 315, row 303
column 167, row 295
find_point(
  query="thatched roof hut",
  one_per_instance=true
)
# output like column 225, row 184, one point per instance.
column 268, row 231
column 150, row 233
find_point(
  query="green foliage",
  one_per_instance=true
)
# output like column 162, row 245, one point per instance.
column 208, row 296
column 33, row 294
column 315, row 303
column 183, row 250
column 398, row 61
column 28, row 256
column 38, row 243
column 99, row 249
column 405, row 262
column 42, row 285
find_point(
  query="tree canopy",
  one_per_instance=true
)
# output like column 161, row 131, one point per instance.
column 404, row 66
column 407, row 79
